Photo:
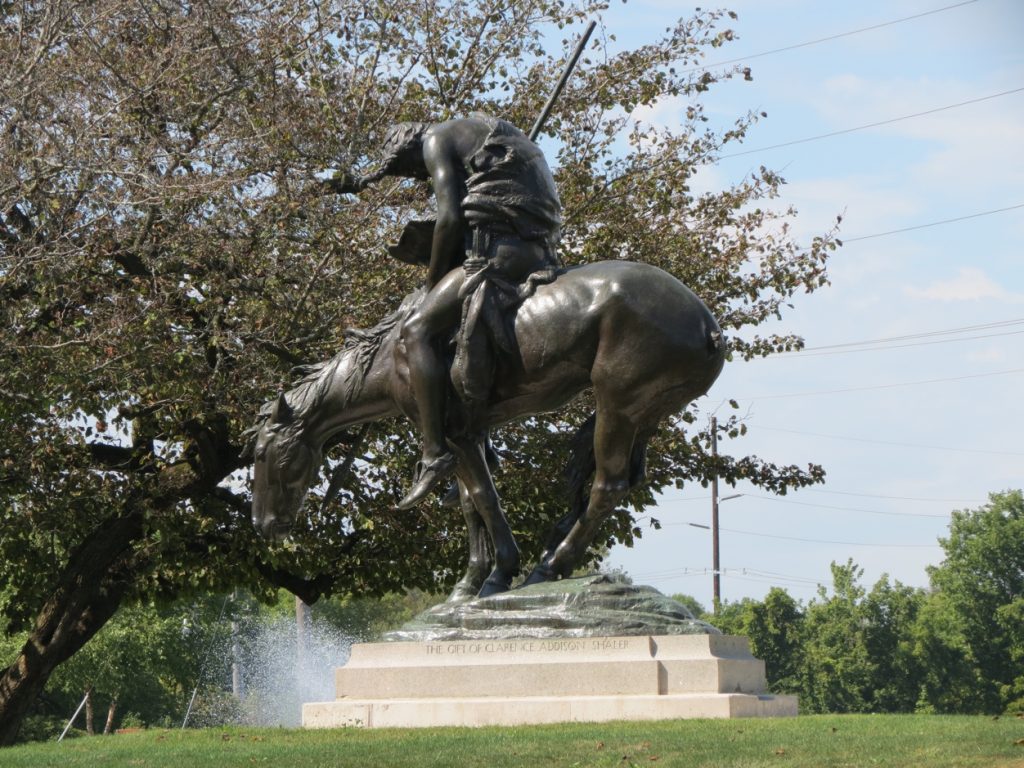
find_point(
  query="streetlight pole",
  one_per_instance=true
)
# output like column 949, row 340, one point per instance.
column 717, row 575
column 715, row 559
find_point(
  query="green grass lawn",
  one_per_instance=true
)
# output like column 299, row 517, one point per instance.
column 825, row 740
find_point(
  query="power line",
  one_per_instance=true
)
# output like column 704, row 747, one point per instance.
column 751, row 574
column 919, row 335
column 844, row 509
column 780, row 575
column 664, row 500
column 885, row 386
column 669, row 573
column 819, row 541
column 897, row 498
column 779, row 500
column 873, row 125
column 934, row 223
column 875, row 345
column 889, row 442
column 772, row 581
column 833, row 37
column 826, row 541
column 884, row 347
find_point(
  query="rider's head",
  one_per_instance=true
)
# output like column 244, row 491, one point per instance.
column 403, row 150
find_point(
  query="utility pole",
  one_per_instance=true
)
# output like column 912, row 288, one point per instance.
column 715, row 564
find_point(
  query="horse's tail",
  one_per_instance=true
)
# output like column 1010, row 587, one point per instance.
column 580, row 468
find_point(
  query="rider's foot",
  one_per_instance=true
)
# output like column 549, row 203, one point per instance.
column 428, row 474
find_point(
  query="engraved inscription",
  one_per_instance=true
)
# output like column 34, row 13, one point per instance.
column 560, row 645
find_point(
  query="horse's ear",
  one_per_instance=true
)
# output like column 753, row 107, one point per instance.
column 248, row 452
column 282, row 413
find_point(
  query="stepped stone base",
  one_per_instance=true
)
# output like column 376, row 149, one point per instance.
column 526, row 681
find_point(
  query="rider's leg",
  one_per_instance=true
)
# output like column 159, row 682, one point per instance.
column 437, row 313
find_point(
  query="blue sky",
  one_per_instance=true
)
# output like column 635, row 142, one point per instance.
column 899, row 458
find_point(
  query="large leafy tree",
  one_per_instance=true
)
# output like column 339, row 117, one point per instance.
column 971, row 635
column 168, row 254
column 857, row 652
column 775, row 629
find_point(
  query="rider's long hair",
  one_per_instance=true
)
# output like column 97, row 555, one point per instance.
column 402, row 152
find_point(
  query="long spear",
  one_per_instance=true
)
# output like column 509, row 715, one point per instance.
column 535, row 131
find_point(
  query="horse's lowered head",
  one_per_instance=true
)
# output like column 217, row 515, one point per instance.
column 285, row 465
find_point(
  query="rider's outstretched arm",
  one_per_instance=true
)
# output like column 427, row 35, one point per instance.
column 344, row 184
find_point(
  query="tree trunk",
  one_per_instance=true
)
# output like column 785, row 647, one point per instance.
column 90, row 591
column 89, row 712
column 111, row 711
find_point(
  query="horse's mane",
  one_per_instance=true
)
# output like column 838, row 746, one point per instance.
column 361, row 346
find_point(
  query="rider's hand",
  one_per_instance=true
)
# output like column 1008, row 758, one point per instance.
column 344, row 184
column 473, row 264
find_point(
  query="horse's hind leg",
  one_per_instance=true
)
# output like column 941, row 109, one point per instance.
column 614, row 436
column 578, row 500
column 480, row 560
column 475, row 478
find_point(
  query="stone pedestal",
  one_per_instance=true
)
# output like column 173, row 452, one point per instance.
column 548, row 680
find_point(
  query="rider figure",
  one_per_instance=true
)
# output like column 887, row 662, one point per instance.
column 498, row 213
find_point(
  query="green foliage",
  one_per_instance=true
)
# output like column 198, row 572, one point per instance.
column 143, row 663
column 889, row 612
column 851, row 651
column 775, row 628
column 971, row 637
column 950, row 680
column 857, row 651
column 957, row 648
column 148, row 658
column 365, row 619
column 141, row 659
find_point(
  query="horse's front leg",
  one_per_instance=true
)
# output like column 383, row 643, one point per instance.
column 480, row 560
column 475, row 477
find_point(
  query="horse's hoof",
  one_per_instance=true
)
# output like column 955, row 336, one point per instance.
column 461, row 594
column 539, row 575
column 494, row 586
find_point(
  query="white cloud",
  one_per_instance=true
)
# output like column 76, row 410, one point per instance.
column 969, row 149
column 970, row 284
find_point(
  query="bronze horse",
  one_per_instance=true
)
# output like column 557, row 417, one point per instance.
column 637, row 336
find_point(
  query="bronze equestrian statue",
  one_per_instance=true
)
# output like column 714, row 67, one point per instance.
column 530, row 336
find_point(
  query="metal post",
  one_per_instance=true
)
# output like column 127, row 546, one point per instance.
column 236, row 651
column 68, row 726
column 202, row 667
column 715, row 564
